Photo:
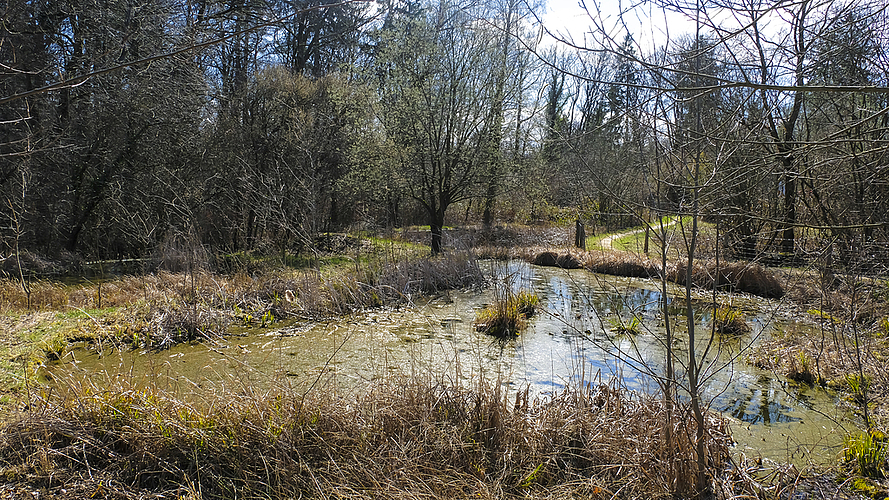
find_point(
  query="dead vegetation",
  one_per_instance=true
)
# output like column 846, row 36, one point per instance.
column 398, row 439
column 730, row 277
column 848, row 308
column 832, row 358
column 164, row 308
column 403, row 438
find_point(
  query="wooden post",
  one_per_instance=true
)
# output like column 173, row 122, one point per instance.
column 579, row 235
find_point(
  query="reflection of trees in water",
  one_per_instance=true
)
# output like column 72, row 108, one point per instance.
column 575, row 306
column 756, row 406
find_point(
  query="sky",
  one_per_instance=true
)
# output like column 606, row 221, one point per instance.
column 650, row 29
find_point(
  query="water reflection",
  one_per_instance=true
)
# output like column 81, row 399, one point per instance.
column 577, row 336
column 758, row 404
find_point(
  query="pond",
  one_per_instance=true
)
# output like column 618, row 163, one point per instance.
column 571, row 339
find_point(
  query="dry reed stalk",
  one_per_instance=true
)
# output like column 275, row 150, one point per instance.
column 164, row 308
column 828, row 359
column 621, row 264
column 402, row 438
column 45, row 295
column 497, row 252
column 735, row 276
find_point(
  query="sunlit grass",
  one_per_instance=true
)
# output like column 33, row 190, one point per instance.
column 729, row 320
column 631, row 326
column 867, row 454
column 633, row 239
column 158, row 310
column 395, row 437
column 802, row 368
column 508, row 315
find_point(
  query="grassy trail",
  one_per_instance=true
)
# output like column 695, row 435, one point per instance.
column 608, row 241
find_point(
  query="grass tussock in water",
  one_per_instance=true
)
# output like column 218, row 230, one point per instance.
column 728, row 320
column 508, row 315
column 831, row 357
column 402, row 438
column 621, row 264
column 732, row 276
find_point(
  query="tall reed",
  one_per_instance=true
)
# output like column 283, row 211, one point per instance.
column 161, row 309
column 403, row 437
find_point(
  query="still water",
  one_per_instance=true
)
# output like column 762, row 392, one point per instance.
column 571, row 339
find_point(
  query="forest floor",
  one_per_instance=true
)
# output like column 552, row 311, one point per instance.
column 76, row 441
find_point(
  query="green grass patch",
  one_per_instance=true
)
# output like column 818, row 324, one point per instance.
column 631, row 326
column 882, row 329
column 427, row 227
column 802, row 368
column 729, row 321
column 30, row 339
column 158, row 310
column 824, row 315
column 633, row 239
column 76, row 314
column 867, row 453
column 364, row 251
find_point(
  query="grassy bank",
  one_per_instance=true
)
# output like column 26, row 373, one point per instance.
column 158, row 310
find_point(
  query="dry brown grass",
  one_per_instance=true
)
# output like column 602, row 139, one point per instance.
column 852, row 316
column 727, row 320
column 161, row 309
column 732, row 276
column 829, row 357
column 621, row 264
column 403, row 438
column 44, row 295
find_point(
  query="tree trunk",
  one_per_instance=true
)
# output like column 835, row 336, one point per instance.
column 579, row 235
column 393, row 212
column 787, row 237
column 436, row 238
column 436, row 224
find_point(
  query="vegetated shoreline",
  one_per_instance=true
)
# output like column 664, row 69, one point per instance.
column 117, row 430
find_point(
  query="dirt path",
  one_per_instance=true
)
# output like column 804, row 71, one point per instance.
column 608, row 241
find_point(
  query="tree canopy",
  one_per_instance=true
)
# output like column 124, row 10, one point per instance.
column 256, row 124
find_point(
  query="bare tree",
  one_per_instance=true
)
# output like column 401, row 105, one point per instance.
column 438, row 90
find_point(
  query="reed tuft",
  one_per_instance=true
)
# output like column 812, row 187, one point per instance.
column 508, row 315
column 728, row 320
column 400, row 438
column 159, row 310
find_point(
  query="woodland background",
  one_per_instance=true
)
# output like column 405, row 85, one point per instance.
column 258, row 124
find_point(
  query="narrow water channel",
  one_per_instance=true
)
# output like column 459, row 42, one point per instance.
column 572, row 338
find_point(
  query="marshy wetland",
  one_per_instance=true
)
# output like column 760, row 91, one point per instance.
column 573, row 338
column 260, row 389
